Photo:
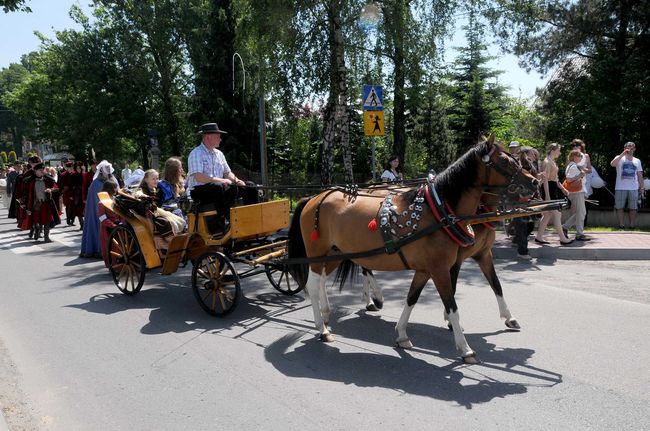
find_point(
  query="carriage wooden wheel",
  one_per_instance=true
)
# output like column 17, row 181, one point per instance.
column 278, row 275
column 126, row 261
column 215, row 283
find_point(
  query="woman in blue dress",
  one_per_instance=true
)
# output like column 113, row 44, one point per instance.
column 90, row 243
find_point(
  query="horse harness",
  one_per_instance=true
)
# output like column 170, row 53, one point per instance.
column 390, row 221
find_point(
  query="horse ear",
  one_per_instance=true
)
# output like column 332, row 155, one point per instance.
column 490, row 140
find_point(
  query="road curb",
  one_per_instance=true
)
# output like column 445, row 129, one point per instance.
column 604, row 246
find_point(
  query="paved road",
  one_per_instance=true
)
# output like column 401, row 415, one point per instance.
column 75, row 354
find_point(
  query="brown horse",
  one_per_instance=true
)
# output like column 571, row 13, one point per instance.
column 336, row 222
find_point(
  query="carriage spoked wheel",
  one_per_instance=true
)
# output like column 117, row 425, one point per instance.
column 278, row 275
column 215, row 283
column 126, row 261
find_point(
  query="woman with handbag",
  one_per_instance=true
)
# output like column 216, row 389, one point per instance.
column 574, row 183
column 552, row 190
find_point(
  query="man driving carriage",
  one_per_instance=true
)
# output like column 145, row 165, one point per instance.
column 210, row 179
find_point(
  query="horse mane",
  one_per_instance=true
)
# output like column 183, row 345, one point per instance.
column 460, row 175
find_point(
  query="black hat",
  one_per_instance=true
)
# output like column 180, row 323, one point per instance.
column 39, row 166
column 211, row 128
column 34, row 159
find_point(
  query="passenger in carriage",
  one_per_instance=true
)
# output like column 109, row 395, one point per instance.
column 210, row 178
column 149, row 186
column 172, row 186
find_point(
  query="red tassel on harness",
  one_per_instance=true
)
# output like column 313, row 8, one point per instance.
column 314, row 235
column 372, row 226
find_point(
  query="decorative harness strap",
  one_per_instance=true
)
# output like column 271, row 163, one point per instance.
column 389, row 220
column 463, row 236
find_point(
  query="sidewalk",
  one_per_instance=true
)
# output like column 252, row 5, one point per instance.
column 603, row 246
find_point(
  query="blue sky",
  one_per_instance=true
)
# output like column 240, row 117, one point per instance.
column 17, row 38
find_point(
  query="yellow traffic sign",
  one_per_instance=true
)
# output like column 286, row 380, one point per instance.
column 373, row 123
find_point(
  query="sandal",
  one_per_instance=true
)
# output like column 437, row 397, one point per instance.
column 541, row 241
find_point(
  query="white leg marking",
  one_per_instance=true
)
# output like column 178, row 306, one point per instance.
column 312, row 287
column 324, row 300
column 504, row 312
column 366, row 290
column 376, row 290
column 402, row 338
column 459, row 337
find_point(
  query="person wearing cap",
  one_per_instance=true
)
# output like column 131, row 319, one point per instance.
column 210, row 179
column 41, row 213
column 629, row 184
column 20, row 190
column 514, row 148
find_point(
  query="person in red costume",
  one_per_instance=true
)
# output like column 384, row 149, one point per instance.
column 41, row 213
column 65, row 187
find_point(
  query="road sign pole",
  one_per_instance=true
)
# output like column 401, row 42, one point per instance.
column 374, row 159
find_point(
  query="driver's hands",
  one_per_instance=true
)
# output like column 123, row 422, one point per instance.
column 240, row 182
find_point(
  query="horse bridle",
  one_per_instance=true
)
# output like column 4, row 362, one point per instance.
column 509, row 189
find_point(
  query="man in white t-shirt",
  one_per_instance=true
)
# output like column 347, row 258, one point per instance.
column 629, row 184
column 126, row 172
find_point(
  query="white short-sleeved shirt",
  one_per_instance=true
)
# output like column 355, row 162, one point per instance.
column 390, row 176
column 626, row 174
column 202, row 160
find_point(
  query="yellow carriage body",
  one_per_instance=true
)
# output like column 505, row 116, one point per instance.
column 246, row 222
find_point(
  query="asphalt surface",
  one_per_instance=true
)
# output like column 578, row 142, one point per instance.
column 76, row 354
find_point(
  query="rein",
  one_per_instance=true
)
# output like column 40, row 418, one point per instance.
column 394, row 246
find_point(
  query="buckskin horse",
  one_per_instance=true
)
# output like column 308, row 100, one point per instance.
column 420, row 229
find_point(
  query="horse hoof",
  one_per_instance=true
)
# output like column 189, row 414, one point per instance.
column 405, row 344
column 326, row 338
column 378, row 303
column 471, row 359
column 513, row 324
column 371, row 307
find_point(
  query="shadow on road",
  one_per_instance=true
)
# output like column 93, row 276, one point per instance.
column 296, row 357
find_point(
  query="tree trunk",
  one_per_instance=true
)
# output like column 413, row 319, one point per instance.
column 396, row 18
column 336, row 127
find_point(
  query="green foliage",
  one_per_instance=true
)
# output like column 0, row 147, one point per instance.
column 12, row 157
column 3, row 157
column 600, row 90
column 479, row 100
column 14, row 5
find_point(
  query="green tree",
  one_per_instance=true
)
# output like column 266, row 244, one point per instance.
column 599, row 92
column 11, row 123
column 14, row 5
column 478, row 97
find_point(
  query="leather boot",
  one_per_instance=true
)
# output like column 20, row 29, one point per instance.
column 46, row 234
column 31, row 232
column 81, row 223
column 37, row 232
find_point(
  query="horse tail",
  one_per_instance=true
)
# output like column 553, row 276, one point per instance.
column 347, row 269
column 296, row 246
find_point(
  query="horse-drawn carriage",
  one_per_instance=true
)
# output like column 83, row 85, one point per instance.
column 220, row 260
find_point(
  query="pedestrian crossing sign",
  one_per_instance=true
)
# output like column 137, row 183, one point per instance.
column 373, row 123
column 373, row 98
